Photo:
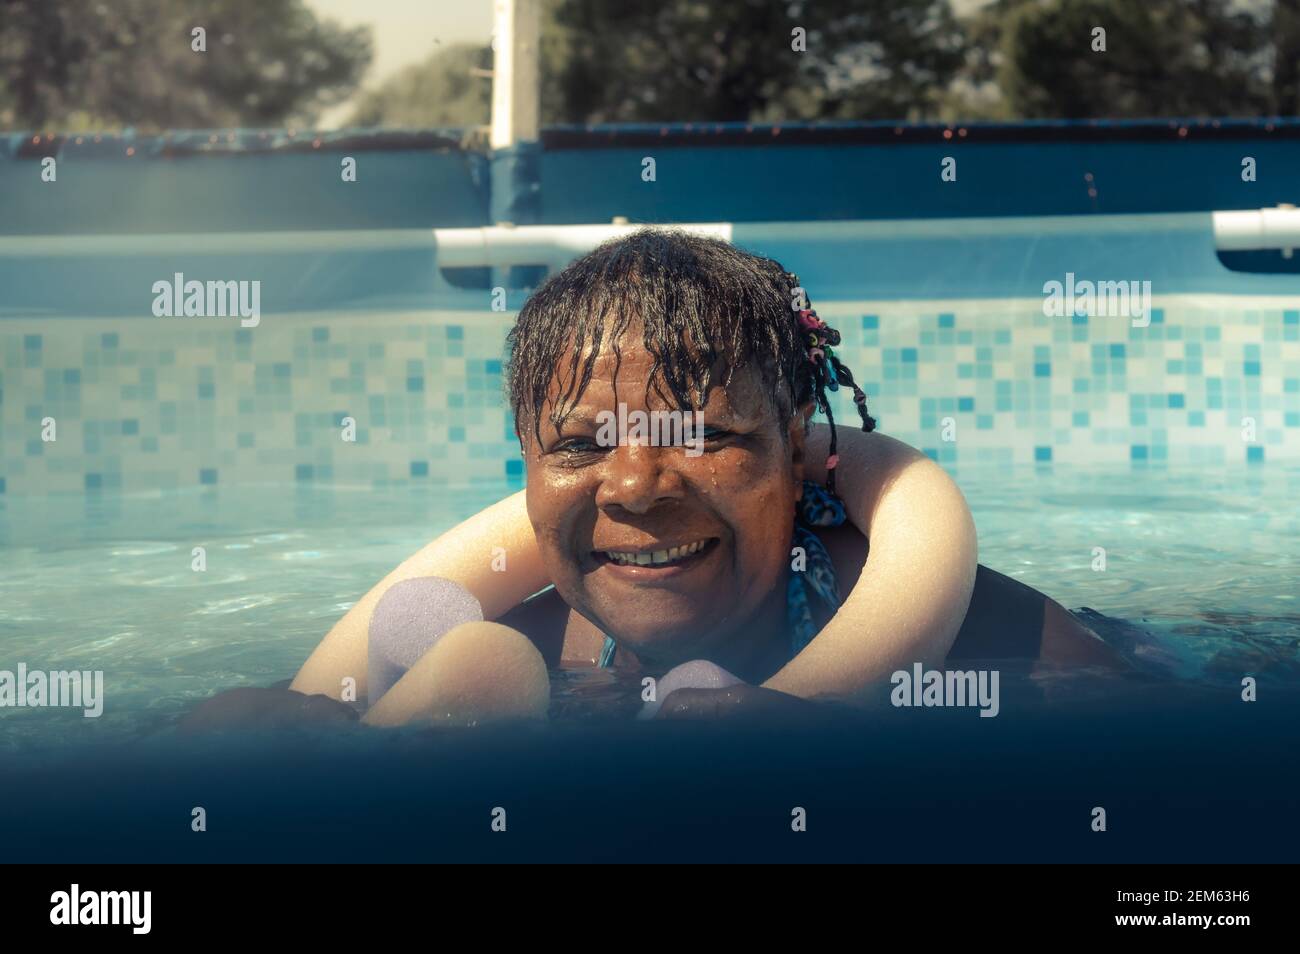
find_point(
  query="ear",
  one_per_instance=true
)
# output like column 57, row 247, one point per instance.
column 797, row 438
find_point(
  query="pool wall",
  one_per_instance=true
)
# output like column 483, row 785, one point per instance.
column 248, row 180
column 943, row 317
column 145, row 404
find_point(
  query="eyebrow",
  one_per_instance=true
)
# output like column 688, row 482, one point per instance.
column 724, row 406
column 576, row 416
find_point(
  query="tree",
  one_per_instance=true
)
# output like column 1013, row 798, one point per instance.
column 87, row 64
column 448, row 89
column 1284, row 29
column 1195, row 58
column 685, row 60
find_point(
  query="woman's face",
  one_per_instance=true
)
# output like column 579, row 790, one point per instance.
column 600, row 512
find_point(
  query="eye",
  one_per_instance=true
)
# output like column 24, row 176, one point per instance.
column 577, row 446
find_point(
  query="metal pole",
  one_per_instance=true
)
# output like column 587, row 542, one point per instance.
column 516, row 151
column 515, row 73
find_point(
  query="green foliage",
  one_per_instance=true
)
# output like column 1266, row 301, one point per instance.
column 449, row 89
column 92, row 64
column 1162, row 58
column 692, row 60
column 688, row 60
column 86, row 64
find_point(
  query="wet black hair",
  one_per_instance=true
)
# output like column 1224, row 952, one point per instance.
column 706, row 308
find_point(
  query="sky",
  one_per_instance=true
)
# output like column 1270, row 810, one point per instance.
column 404, row 32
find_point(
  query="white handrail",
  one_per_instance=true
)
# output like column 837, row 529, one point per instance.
column 555, row 245
column 456, row 248
column 1277, row 228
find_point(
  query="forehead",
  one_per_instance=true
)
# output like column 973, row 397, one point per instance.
column 626, row 367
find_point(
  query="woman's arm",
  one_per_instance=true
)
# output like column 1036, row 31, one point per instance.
column 468, row 554
column 911, row 598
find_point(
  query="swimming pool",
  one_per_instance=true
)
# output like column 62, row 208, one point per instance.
column 1203, row 565
column 1107, row 462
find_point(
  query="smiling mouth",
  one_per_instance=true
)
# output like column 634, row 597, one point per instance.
column 661, row 557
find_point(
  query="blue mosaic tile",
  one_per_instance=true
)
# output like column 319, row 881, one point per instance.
column 141, row 404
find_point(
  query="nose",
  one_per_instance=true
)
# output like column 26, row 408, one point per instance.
column 639, row 478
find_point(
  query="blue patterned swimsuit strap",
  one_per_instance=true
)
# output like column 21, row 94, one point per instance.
column 812, row 575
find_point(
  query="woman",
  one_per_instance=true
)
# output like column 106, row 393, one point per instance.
column 737, row 554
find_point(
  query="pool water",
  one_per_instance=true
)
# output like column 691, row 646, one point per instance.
column 1198, row 584
column 1198, row 591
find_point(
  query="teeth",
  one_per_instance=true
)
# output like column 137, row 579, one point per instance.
column 656, row 557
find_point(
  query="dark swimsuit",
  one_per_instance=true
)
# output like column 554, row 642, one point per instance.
column 1004, row 619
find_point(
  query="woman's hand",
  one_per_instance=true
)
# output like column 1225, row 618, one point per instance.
column 254, row 708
